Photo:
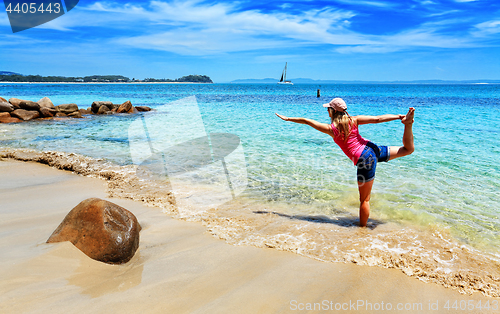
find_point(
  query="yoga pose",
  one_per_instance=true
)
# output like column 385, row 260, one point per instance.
column 364, row 154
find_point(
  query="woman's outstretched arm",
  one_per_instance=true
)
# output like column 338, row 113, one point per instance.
column 378, row 119
column 322, row 127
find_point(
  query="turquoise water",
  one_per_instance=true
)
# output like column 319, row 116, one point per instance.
column 451, row 182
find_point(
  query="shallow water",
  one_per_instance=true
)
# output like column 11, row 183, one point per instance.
column 301, row 191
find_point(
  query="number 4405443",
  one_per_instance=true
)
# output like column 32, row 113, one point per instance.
column 34, row 8
column 471, row 305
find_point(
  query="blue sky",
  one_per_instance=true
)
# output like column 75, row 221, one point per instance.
column 227, row 40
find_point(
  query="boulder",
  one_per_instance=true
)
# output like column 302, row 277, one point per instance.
column 29, row 105
column 3, row 99
column 9, row 119
column 76, row 114
column 45, row 102
column 142, row 108
column 85, row 111
column 47, row 112
column 103, row 109
column 6, row 107
column 67, row 108
column 25, row 115
column 5, row 115
column 102, row 230
column 15, row 102
column 125, row 107
column 60, row 114
column 96, row 105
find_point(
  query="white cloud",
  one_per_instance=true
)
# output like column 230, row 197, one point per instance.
column 486, row 29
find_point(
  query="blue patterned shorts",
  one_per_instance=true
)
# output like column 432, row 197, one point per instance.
column 367, row 162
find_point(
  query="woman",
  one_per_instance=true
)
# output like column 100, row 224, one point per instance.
column 364, row 154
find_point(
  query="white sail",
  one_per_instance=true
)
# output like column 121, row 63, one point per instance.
column 283, row 76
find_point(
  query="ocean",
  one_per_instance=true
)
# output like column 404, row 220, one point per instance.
column 253, row 179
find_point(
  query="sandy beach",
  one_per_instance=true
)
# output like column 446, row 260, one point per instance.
column 179, row 267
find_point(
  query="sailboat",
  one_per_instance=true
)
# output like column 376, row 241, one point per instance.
column 283, row 77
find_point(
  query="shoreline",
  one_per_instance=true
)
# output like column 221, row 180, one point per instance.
column 179, row 267
column 114, row 83
column 427, row 255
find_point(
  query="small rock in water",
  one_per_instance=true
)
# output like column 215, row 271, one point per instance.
column 102, row 230
column 142, row 108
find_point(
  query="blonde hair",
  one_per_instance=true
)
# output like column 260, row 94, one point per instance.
column 342, row 122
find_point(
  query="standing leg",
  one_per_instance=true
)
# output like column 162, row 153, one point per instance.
column 408, row 146
column 365, row 190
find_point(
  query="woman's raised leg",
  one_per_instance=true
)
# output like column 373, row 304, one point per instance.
column 408, row 146
column 365, row 191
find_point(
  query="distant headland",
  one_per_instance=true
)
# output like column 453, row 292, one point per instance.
column 6, row 76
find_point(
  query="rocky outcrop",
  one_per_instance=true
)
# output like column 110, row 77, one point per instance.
column 67, row 108
column 5, row 106
column 25, row 115
column 25, row 110
column 45, row 102
column 102, row 230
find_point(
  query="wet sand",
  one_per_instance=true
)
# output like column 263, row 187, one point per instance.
column 179, row 267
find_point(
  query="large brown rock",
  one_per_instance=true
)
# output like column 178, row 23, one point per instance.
column 45, row 102
column 102, row 230
column 6, row 107
column 67, row 108
column 29, row 105
column 60, row 114
column 125, row 107
column 25, row 115
column 3, row 99
column 96, row 105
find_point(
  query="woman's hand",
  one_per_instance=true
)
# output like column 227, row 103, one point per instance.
column 282, row 117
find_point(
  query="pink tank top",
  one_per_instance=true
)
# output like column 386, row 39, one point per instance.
column 353, row 147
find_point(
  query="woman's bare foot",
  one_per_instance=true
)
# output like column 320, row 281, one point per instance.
column 408, row 119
